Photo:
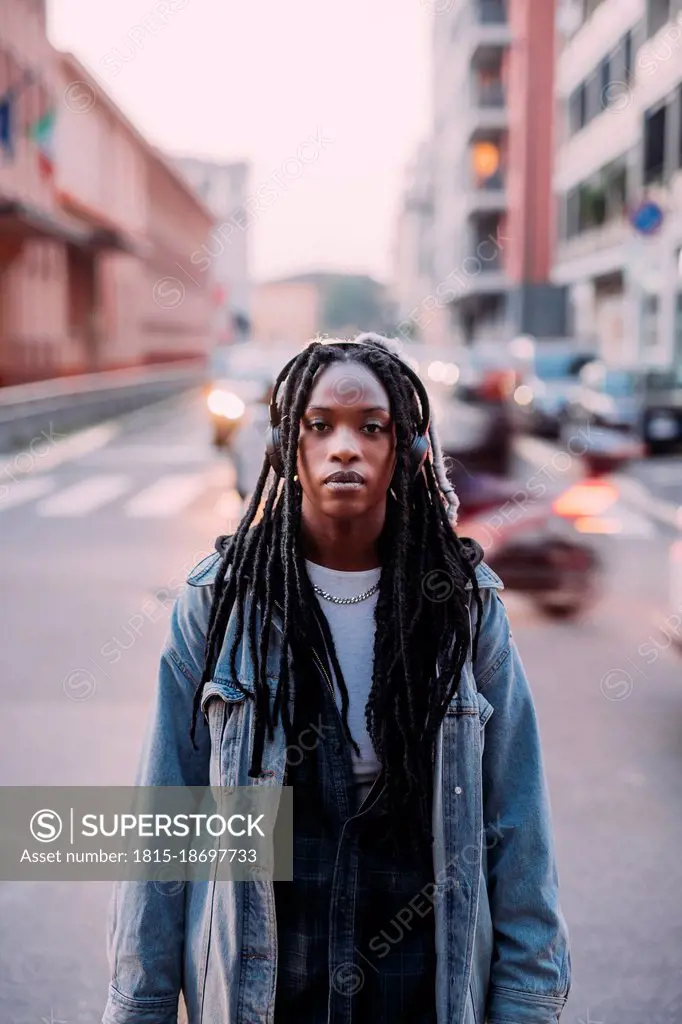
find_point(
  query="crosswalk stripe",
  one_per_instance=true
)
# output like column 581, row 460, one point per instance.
column 230, row 507
column 84, row 497
column 155, row 454
column 167, row 496
column 632, row 524
column 25, row 490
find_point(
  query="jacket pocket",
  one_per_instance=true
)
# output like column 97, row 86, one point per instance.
column 485, row 708
column 223, row 705
column 478, row 705
column 227, row 692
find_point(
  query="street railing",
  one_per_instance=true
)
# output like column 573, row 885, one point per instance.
column 72, row 403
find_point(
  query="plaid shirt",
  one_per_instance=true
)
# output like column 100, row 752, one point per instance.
column 343, row 953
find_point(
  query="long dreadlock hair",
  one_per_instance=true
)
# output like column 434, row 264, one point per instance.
column 421, row 640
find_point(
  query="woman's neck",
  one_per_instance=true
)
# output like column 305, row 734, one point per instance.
column 348, row 545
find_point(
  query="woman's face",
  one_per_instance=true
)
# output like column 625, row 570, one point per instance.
column 346, row 451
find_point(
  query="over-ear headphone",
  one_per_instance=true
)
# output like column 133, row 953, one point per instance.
column 419, row 445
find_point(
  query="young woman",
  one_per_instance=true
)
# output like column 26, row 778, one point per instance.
column 346, row 608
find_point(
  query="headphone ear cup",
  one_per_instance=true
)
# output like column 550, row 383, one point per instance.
column 419, row 449
column 274, row 449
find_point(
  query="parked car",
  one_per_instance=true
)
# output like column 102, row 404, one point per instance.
column 641, row 402
column 552, row 374
column 474, row 419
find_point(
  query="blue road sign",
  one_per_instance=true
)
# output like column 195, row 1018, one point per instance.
column 647, row 217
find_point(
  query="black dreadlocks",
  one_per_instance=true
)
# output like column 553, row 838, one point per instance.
column 421, row 642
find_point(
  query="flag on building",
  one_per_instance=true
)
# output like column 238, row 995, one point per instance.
column 10, row 115
column 42, row 132
column 7, row 125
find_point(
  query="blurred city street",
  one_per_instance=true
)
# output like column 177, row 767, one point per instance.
column 176, row 225
column 93, row 551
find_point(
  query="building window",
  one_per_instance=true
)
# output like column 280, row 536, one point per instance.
column 627, row 56
column 240, row 217
column 659, row 13
column 597, row 201
column 589, row 7
column 616, row 188
column 679, row 118
column 489, row 88
column 595, row 95
column 592, row 205
column 486, row 164
column 649, row 315
column 573, row 213
column 491, row 12
column 604, row 80
column 678, row 312
column 654, row 145
column 577, row 109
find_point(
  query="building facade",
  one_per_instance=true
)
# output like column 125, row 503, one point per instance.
column 618, row 165
column 96, row 227
column 35, row 238
column 224, row 187
column 493, row 63
column 285, row 312
column 418, row 315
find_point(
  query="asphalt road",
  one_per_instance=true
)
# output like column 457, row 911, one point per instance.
column 90, row 545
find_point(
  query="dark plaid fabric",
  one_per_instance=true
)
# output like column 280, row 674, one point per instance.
column 349, row 948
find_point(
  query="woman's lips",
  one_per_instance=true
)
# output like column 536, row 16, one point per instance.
column 345, row 480
column 344, row 485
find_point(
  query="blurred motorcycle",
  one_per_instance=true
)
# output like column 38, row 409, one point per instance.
column 539, row 547
column 535, row 550
column 226, row 410
column 239, row 379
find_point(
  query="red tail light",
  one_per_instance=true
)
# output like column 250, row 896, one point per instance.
column 591, row 498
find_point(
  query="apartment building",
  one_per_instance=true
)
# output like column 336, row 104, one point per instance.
column 416, row 310
column 286, row 311
column 493, row 227
column 223, row 187
column 618, row 175
column 97, row 229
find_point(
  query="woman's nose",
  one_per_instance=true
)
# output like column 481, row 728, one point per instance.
column 344, row 444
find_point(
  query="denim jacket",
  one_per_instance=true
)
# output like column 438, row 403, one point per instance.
column 502, row 945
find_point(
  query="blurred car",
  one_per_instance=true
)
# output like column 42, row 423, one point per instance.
column 473, row 418
column 240, row 377
column 641, row 402
column 541, row 399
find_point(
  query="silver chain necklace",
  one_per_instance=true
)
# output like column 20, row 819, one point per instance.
column 346, row 600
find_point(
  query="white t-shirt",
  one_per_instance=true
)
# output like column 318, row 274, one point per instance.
column 352, row 627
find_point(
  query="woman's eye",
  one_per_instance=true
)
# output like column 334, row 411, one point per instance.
column 374, row 428
column 313, row 424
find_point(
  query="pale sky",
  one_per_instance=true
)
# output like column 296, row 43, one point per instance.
column 238, row 79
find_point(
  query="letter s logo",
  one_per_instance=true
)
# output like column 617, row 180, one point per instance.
column 45, row 826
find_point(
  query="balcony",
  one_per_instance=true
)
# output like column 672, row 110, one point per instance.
column 491, row 12
column 476, row 277
column 486, row 195
column 659, row 13
column 489, row 27
column 488, row 112
column 489, row 94
column 592, row 253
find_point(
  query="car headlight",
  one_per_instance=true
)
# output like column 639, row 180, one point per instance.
column 226, row 403
column 523, row 395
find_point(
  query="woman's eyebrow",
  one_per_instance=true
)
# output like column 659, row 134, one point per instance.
column 364, row 408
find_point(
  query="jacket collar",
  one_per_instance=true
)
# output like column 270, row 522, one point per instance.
column 204, row 573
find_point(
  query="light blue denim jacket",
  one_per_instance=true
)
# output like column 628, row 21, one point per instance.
column 501, row 939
